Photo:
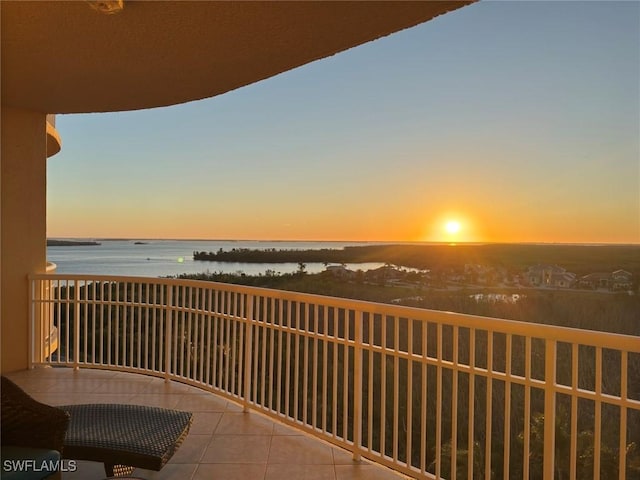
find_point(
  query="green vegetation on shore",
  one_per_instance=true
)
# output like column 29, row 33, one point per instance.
column 69, row 243
column 586, row 309
column 614, row 313
column 580, row 259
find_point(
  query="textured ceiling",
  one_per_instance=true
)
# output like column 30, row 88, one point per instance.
column 65, row 57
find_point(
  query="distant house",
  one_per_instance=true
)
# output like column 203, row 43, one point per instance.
column 562, row 280
column 595, row 280
column 621, row 280
column 549, row 276
column 383, row 274
column 618, row 280
column 340, row 271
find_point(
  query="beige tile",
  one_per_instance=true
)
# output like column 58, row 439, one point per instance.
column 237, row 449
column 93, row 373
column 229, row 471
column 76, row 399
column 156, row 400
column 205, row 422
column 202, row 403
column 134, row 377
column 344, row 457
column 300, row 472
column 280, row 429
column 234, row 407
column 34, row 385
column 173, row 386
column 365, row 472
column 286, row 449
column 160, row 386
column 124, row 386
column 87, row 385
column 244, row 424
column 192, row 449
column 157, row 389
column 80, row 374
column 39, row 372
column 86, row 471
column 171, row 471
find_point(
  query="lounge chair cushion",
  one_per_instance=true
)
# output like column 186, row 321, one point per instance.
column 135, row 435
column 25, row 463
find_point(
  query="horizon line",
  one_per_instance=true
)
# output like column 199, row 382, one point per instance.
column 390, row 242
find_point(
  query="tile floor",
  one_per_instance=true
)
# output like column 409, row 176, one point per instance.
column 223, row 443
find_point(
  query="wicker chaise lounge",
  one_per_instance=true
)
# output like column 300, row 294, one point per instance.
column 122, row 437
column 30, row 431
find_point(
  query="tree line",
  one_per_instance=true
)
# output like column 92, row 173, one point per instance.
column 580, row 259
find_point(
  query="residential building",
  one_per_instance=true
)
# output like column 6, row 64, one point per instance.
column 618, row 280
column 383, row 274
column 549, row 276
column 621, row 280
column 340, row 271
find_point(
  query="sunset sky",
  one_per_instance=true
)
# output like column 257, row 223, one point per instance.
column 499, row 122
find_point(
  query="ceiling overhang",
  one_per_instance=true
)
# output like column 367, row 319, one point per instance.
column 65, row 57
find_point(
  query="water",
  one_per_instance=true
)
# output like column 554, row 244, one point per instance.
column 161, row 258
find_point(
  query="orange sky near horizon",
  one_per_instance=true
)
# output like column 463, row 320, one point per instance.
column 409, row 226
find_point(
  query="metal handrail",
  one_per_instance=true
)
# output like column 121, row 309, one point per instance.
column 424, row 392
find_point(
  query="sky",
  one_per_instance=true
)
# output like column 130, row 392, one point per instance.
column 504, row 121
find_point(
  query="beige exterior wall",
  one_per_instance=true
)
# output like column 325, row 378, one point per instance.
column 24, row 226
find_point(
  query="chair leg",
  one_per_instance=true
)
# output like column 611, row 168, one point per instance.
column 118, row 470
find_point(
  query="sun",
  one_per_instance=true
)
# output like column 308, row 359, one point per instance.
column 452, row 227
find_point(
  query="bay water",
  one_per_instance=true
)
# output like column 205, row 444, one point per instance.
column 161, row 258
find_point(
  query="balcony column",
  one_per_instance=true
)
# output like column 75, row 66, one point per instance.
column 23, row 226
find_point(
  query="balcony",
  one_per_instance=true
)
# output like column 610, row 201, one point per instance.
column 428, row 394
column 223, row 441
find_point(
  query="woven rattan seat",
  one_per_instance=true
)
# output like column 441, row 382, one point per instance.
column 124, row 436
column 28, row 423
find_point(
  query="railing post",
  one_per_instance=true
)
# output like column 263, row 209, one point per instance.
column 39, row 321
column 549, row 408
column 76, row 326
column 32, row 323
column 167, row 333
column 248, row 348
column 357, row 386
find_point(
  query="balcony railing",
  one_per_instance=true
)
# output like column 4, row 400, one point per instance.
column 43, row 326
column 431, row 394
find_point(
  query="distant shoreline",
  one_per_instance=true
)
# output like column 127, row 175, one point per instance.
column 70, row 243
column 576, row 258
column 371, row 242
